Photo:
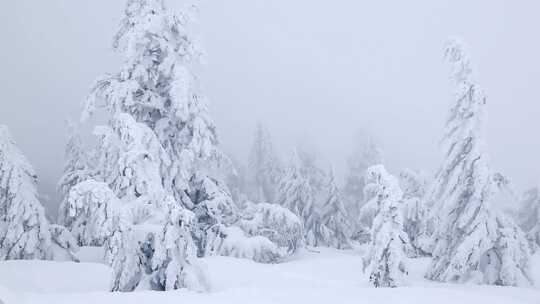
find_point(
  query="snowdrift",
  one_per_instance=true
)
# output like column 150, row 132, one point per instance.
column 330, row 276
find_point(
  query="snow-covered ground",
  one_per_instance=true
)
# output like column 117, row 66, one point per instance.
column 330, row 276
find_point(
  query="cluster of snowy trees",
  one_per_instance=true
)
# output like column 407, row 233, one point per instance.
column 151, row 190
column 156, row 193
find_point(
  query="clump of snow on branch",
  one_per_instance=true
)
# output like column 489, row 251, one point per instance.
column 91, row 205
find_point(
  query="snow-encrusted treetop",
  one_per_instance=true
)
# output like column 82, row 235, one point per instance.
column 157, row 86
column 468, row 110
column 384, row 186
column 463, row 140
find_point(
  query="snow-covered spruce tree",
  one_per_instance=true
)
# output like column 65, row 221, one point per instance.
column 24, row 230
column 365, row 155
column 472, row 241
column 77, row 168
column 386, row 257
column 174, row 261
column 295, row 191
column 529, row 216
column 158, row 89
column 335, row 224
column 309, row 166
column 415, row 212
column 297, row 195
column 265, row 168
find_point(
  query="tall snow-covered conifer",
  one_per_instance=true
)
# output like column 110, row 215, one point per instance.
column 154, row 148
column 472, row 241
column 158, row 118
column 24, row 230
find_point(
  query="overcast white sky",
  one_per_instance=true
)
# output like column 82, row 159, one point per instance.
column 314, row 71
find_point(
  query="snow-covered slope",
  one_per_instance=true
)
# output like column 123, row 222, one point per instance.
column 330, row 276
column 38, row 277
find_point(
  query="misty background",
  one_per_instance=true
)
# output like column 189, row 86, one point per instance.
column 314, row 72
